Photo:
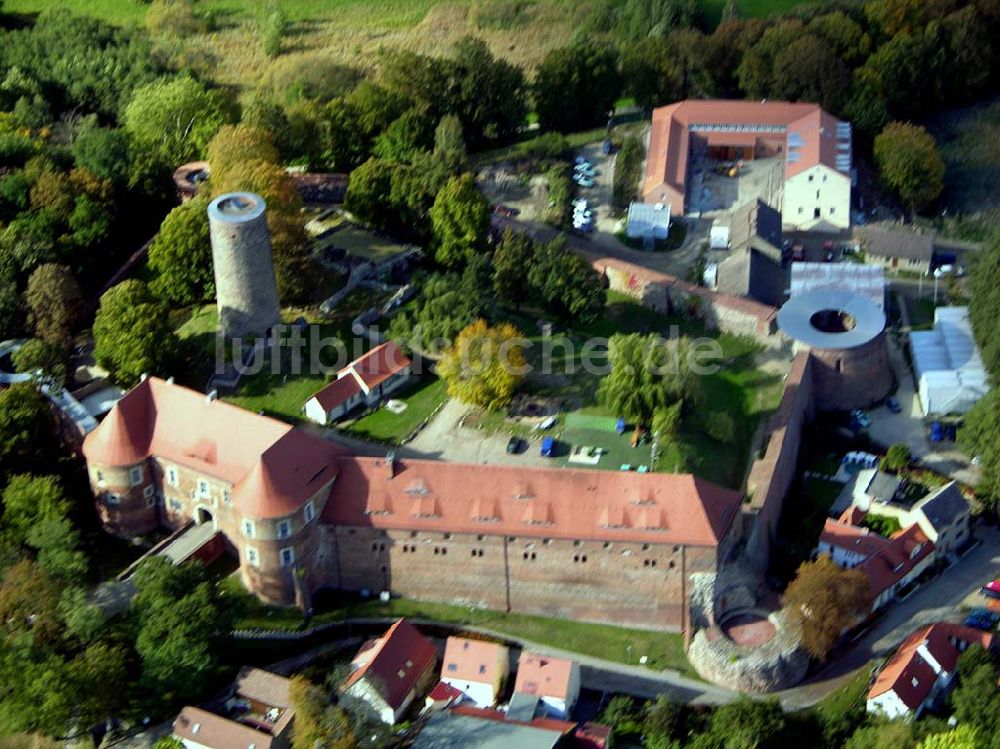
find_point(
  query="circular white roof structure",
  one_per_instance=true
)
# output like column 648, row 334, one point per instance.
column 831, row 319
column 236, row 207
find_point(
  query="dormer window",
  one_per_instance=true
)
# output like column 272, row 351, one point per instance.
column 309, row 512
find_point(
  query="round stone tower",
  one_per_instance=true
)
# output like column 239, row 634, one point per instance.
column 245, row 286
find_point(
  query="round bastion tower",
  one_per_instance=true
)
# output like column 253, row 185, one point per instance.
column 245, row 286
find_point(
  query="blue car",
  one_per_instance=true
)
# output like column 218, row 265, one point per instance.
column 978, row 622
column 548, row 447
column 937, row 432
column 893, row 405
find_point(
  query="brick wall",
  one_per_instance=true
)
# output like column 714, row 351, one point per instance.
column 620, row 583
column 772, row 474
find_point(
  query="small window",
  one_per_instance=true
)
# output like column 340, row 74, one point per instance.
column 227, row 498
column 176, row 505
column 284, row 528
column 149, row 491
column 248, row 528
column 252, row 557
column 309, row 512
column 800, row 209
column 203, row 488
column 111, row 499
column 150, row 500
column 287, row 556
column 135, row 476
column 824, row 178
column 810, row 178
column 172, row 478
column 447, row 537
column 99, row 476
column 832, row 210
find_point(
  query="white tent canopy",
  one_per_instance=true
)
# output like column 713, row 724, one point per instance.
column 946, row 364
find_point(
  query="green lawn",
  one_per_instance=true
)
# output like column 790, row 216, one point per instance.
column 849, row 697
column 362, row 243
column 662, row 649
column 422, row 398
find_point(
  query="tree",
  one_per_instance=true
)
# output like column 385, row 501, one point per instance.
column 233, row 147
column 910, row 164
column 273, row 28
column 490, row 93
column 720, row 426
column 460, row 221
column 29, row 601
column 36, row 355
column 976, row 692
column 667, row 422
column 318, row 722
column 32, row 500
column 84, row 620
column 175, row 118
column 896, row 734
column 54, row 302
column 619, row 713
column 980, row 436
column 104, row 151
column 896, row 458
column 648, row 374
column 512, row 256
column 174, row 17
column 485, row 365
column 744, row 724
column 132, row 333
column 368, row 192
column 449, row 144
column 824, row 600
column 445, row 305
column 576, row 87
column 25, row 427
column 963, row 737
column 182, row 626
column 408, row 134
column 181, row 255
column 565, row 284
column 984, row 304
column 57, row 546
column 661, row 722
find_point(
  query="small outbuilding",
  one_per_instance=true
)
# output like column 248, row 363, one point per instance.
column 365, row 381
column 947, row 364
column 648, row 221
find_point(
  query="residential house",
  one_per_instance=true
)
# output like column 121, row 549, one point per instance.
column 365, row 381
column 472, row 728
column 896, row 249
column 922, row 669
column 897, row 564
column 874, row 487
column 475, row 667
column 849, row 545
column 812, row 149
column 390, row 671
column 256, row 713
column 755, row 266
column 553, row 683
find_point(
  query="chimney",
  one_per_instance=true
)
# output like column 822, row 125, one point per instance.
column 170, row 380
column 390, row 463
column 213, row 395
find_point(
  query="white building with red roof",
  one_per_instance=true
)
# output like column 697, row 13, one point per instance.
column 476, row 668
column 389, row 672
column 921, row 669
column 365, row 381
column 554, row 682
column 814, row 146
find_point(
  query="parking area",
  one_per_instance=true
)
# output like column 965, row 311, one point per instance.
column 719, row 187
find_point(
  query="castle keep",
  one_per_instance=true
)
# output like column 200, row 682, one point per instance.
column 302, row 514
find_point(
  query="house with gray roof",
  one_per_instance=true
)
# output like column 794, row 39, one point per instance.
column 896, row 249
column 755, row 266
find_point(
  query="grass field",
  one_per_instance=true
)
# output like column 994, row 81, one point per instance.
column 662, row 649
column 422, row 398
column 353, row 31
column 362, row 243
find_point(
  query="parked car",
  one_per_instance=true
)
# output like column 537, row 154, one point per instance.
column 861, row 418
column 950, row 432
column 548, row 447
column 582, row 160
column 893, row 405
column 585, row 182
column 984, row 613
column 991, row 589
column 979, row 622
column 585, row 171
column 514, row 445
column 937, row 432
column 607, row 147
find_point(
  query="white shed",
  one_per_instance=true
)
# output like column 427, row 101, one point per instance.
column 648, row 221
column 946, row 364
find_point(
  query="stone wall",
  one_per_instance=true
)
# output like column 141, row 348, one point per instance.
column 772, row 474
column 668, row 294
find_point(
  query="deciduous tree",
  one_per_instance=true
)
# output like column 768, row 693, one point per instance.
column 26, row 427
column 910, row 164
column 32, row 500
column 132, row 333
column 576, row 87
column 181, row 255
column 485, row 365
column 460, row 222
column 37, row 355
column 824, row 600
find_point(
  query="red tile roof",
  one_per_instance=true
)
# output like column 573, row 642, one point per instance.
column 851, row 538
column 214, row 731
column 593, row 736
column 394, row 662
column 379, row 364
column 443, row 692
column 339, row 391
column 542, row 502
column 670, row 145
column 896, row 559
column 910, row 676
column 543, row 676
column 475, row 661
column 274, row 468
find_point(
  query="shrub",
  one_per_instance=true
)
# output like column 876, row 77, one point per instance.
column 560, row 195
column 628, row 171
column 720, row 426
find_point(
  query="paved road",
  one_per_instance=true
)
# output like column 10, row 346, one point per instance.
column 935, row 601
